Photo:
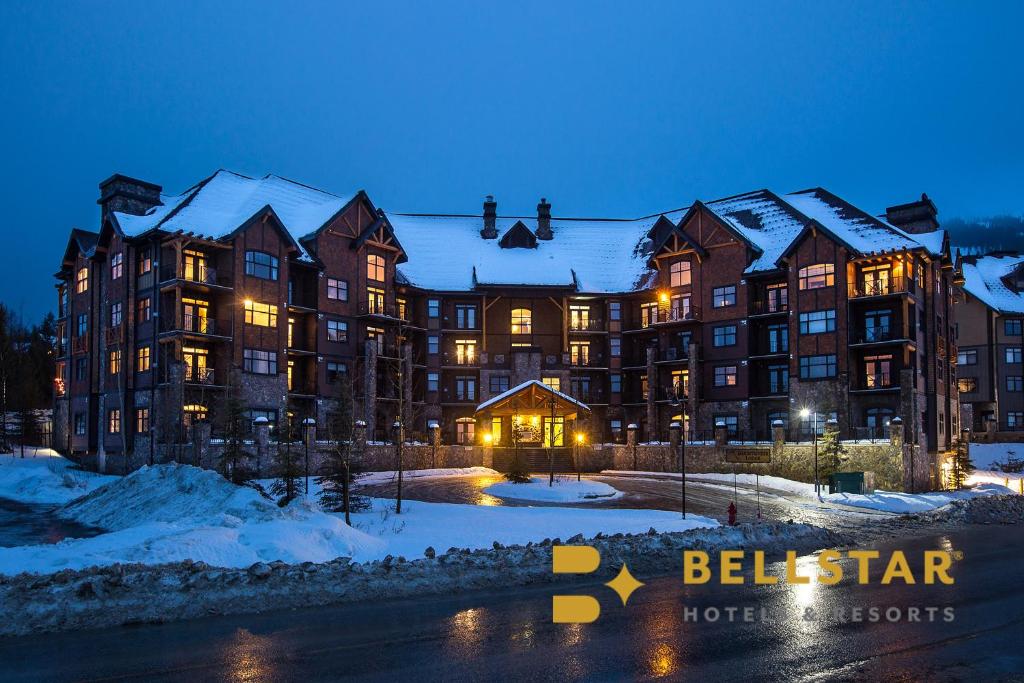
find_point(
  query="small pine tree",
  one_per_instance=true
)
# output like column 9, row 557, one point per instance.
column 832, row 454
column 517, row 472
column 288, row 461
column 233, row 422
column 962, row 466
column 342, row 462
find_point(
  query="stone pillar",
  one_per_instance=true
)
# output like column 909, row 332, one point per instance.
column 262, row 426
column 693, row 366
column 201, row 439
column 721, row 434
column 778, row 439
column 674, row 430
column 435, row 443
column 631, row 434
column 370, row 387
column 653, row 428
column 407, row 386
column 359, row 436
column 896, row 432
column 990, row 429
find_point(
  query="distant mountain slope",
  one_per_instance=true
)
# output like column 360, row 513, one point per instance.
column 982, row 235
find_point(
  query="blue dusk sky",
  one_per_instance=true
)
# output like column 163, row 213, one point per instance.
column 607, row 109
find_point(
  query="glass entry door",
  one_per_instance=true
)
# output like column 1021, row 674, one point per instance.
column 197, row 315
column 559, row 432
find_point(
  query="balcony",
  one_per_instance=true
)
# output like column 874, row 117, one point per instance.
column 194, row 324
column 114, row 335
column 461, row 359
column 768, row 307
column 879, row 287
column 80, row 345
column 206, row 376
column 590, row 360
column 380, row 309
column 673, row 355
column 674, row 315
column 876, row 335
column 586, row 325
column 877, row 381
column 199, row 274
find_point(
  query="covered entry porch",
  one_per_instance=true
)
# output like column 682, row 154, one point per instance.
column 535, row 419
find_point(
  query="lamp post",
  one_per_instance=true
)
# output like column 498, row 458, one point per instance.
column 804, row 414
column 677, row 403
column 551, row 444
column 308, row 423
column 576, row 458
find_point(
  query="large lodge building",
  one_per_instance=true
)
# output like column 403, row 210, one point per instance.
column 740, row 311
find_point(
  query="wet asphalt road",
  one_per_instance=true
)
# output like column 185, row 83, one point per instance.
column 706, row 498
column 508, row 634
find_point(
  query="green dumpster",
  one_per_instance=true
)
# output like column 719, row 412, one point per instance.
column 846, row 482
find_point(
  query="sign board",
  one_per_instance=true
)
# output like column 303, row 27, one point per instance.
column 748, row 455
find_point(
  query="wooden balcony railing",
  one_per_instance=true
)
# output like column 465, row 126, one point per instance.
column 881, row 287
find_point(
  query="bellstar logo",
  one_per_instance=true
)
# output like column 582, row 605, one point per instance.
column 585, row 609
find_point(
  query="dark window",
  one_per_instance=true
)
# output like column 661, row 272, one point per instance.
column 816, row 367
column 967, row 357
column 433, row 308
column 778, row 379
column 1014, row 383
column 79, row 424
column 616, row 383
column 465, row 317
column 615, row 311
column 337, row 331
column 725, row 335
column 260, row 362
column 817, row 322
column 465, row 388
column 432, row 344
column 261, row 265
column 115, row 315
column 817, row 276
column 1015, row 419
column 1012, row 327
column 724, row 296
column 116, row 266
column 143, row 310
column 81, row 369
column 337, row 289
column 83, row 324
column 615, row 347
column 432, row 381
column 499, row 384
column 778, row 338
column 1013, row 354
column 731, row 423
column 335, row 371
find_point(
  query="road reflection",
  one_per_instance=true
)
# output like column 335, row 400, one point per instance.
column 249, row 657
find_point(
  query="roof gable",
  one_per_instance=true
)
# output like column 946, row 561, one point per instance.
column 518, row 236
column 668, row 237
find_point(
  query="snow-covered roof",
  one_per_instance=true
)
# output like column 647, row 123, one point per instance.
column 220, row 204
column 447, row 253
column 983, row 278
column 763, row 219
column 528, row 383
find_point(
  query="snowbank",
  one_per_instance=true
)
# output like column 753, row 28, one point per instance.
column 45, row 478
column 986, row 455
column 565, row 490
column 392, row 475
column 170, row 513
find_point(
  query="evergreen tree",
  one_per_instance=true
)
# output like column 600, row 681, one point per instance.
column 832, row 455
column 288, row 462
column 962, row 466
column 342, row 461
column 233, row 422
column 8, row 363
column 517, row 472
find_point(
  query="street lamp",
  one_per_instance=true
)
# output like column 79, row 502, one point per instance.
column 677, row 404
column 804, row 414
column 308, row 423
column 576, row 460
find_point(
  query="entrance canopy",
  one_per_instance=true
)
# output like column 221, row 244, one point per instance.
column 532, row 396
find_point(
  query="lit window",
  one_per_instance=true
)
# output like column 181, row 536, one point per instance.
column 967, row 385
column 521, row 321
column 465, row 351
column 817, row 276
column 260, row 314
column 465, row 428
column 114, row 420
column 553, row 382
column 141, row 420
column 115, row 361
column 679, row 274
column 374, row 300
column 261, row 265
column 116, row 265
column 143, row 313
column 337, row 289
column 145, row 262
column 375, row 267
column 142, row 359
column 82, row 280
column 579, row 353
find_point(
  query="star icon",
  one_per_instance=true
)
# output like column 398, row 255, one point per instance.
column 624, row 584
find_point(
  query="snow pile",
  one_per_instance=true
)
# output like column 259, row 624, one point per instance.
column 170, row 513
column 564, row 490
column 988, row 456
column 45, row 477
column 390, row 476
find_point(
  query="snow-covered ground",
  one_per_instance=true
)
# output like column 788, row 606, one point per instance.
column 987, row 459
column 45, row 477
column 173, row 512
column 879, row 500
column 564, row 490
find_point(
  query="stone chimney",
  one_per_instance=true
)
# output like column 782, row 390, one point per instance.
column 544, row 220
column 128, row 195
column 490, row 231
column 915, row 217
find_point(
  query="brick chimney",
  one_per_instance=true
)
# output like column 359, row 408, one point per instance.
column 490, row 230
column 915, row 217
column 544, row 220
column 128, row 195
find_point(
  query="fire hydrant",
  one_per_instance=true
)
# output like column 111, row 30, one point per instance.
column 732, row 514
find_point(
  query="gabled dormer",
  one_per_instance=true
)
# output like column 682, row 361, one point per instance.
column 669, row 239
column 518, row 237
